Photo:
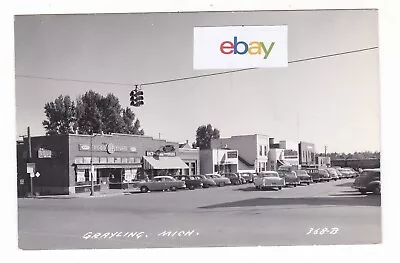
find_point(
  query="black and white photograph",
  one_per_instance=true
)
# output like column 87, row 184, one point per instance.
column 131, row 134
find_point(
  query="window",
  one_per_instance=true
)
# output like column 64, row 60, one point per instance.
column 265, row 150
column 261, row 150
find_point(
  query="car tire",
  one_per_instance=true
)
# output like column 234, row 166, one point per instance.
column 172, row 188
column 377, row 190
column 308, row 183
column 363, row 192
column 295, row 185
column 280, row 188
column 144, row 189
column 221, row 184
column 191, row 187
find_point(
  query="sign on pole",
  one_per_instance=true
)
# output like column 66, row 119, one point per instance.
column 30, row 168
column 31, row 175
column 37, row 174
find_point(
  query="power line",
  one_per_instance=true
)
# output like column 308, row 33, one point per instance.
column 192, row 77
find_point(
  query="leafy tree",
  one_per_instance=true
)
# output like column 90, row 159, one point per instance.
column 61, row 117
column 204, row 134
column 93, row 113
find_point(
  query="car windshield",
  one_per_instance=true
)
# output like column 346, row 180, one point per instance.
column 301, row 172
column 370, row 174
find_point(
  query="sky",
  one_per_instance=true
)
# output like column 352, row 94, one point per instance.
column 331, row 102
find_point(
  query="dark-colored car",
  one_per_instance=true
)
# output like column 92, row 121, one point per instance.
column 248, row 177
column 304, row 177
column 207, row 182
column 319, row 175
column 290, row 177
column 190, row 181
column 234, row 178
column 369, row 181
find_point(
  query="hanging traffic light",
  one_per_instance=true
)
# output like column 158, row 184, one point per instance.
column 136, row 97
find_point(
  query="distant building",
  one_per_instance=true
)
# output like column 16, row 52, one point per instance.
column 306, row 153
column 252, row 150
column 282, row 153
column 323, row 161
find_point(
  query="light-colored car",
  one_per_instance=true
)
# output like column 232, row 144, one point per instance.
column 269, row 179
column 160, row 183
column 332, row 173
column 218, row 179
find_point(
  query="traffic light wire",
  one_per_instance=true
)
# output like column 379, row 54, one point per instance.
column 192, row 77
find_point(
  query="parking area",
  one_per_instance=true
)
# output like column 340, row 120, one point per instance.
column 220, row 216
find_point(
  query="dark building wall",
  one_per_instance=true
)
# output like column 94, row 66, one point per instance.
column 357, row 163
column 53, row 170
column 306, row 153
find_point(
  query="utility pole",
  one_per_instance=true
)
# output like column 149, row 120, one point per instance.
column 30, row 155
column 325, row 150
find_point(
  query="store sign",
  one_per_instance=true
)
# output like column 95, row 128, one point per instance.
column 232, row 154
column 110, row 148
column 160, row 154
column 290, row 153
column 44, row 153
column 30, row 168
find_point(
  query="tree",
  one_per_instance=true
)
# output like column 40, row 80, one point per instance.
column 61, row 117
column 204, row 134
column 93, row 113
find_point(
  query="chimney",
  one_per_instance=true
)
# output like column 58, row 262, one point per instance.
column 271, row 141
column 187, row 141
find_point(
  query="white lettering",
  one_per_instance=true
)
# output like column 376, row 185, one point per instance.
column 96, row 235
column 131, row 234
column 139, row 235
column 181, row 233
column 105, row 235
column 189, row 233
column 87, row 235
column 165, row 233
column 113, row 234
column 119, row 234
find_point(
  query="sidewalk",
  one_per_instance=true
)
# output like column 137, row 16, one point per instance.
column 102, row 193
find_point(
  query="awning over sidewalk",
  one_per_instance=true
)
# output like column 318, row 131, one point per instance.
column 163, row 163
column 108, row 166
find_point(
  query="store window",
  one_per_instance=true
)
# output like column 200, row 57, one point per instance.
column 261, row 150
column 193, row 168
column 265, row 150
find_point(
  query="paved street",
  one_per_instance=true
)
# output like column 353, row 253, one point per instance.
column 228, row 216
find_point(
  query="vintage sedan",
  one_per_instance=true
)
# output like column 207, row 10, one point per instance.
column 369, row 181
column 219, row 180
column 191, row 182
column 345, row 172
column 160, row 183
column 319, row 175
column 290, row 177
column 304, row 177
column 248, row 177
column 269, row 179
column 332, row 173
column 207, row 182
column 234, row 178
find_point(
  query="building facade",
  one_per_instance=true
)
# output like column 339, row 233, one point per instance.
column 307, row 153
column 218, row 161
column 64, row 161
column 252, row 150
column 282, row 153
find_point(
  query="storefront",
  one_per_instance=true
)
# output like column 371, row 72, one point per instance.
column 218, row 161
column 66, row 162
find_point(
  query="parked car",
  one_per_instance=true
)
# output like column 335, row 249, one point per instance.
column 160, row 183
column 219, row 180
column 332, row 174
column 248, row 177
column 234, row 178
column 304, row 177
column 207, row 182
column 319, row 175
column 369, row 181
column 353, row 173
column 269, row 179
column 345, row 172
column 290, row 177
column 191, row 182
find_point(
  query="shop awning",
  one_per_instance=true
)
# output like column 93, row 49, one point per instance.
column 163, row 163
column 108, row 166
column 280, row 162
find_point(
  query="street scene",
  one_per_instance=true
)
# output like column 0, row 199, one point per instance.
column 219, row 216
column 207, row 129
